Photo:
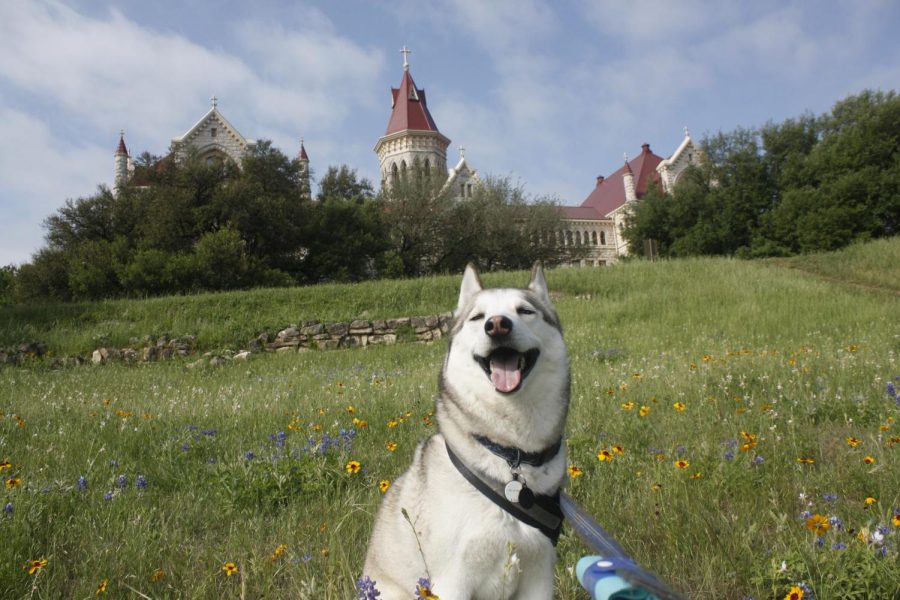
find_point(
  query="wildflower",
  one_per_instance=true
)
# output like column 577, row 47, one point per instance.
column 749, row 441
column 796, row 593
column 361, row 423
column 230, row 569
column 81, row 485
column 353, row 467
column 249, row 455
column 140, row 482
column 853, row 442
column 869, row 460
column 324, row 552
column 113, row 463
column 365, row 589
column 682, row 464
column 870, row 500
column 656, row 487
column 34, row 566
column 604, row 455
column 758, row 460
column 679, row 406
column 121, row 482
column 157, row 575
column 279, row 551
column 13, row 482
column 627, row 405
column 895, row 520
column 618, row 449
column 818, row 524
column 839, row 546
column 108, row 496
column 829, row 497
column 806, row 460
column 392, row 423
column 644, row 411
column 102, row 587
column 350, row 409
column 697, row 475
column 5, row 465
column 384, row 485
column 391, row 446
column 8, row 509
column 729, row 455
column 575, row 471
column 836, row 522
column 423, row 590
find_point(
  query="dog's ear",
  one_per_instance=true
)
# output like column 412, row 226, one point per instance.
column 538, row 284
column 471, row 285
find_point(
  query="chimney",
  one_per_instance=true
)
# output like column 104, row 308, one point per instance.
column 599, row 180
column 645, row 148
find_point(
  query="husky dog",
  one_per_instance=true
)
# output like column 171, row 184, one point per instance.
column 477, row 512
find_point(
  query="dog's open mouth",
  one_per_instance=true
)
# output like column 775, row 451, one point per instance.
column 508, row 368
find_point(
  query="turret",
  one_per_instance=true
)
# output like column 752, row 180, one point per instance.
column 122, row 160
column 303, row 159
column 628, row 181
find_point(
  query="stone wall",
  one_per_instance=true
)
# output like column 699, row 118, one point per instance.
column 309, row 335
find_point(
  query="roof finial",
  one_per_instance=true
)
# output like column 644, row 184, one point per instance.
column 626, row 157
column 686, row 132
column 122, row 133
column 405, row 52
column 462, row 151
column 215, row 101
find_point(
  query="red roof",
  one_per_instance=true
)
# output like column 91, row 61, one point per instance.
column 302, row 155
column 580, row 213
column 410, row 111
column 609, row 193
column 122, row 149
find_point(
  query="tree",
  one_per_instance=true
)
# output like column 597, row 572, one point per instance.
column 343, row 183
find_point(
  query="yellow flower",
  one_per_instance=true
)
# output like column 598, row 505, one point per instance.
column 13, row 482
column 853, row 442
column 392, row 423
column 384, row 485
column 796, row 593
column 656, row 487
column 697, row 475
column 896, row 520
column 806, row 460
column 852, row 348
column 818, row 524
column 34, row 566
column 628, row 405
column 324, row 552
column 353, row 467
column 750, row 442
column 575, row 471
column 350, row 409
column 870, row 500
column 644, row 411
column 635, row 375
column 5, row 465
column 279, row 551
column 604, row 455
column 391, row 446
column 869, row 460
column 682, row 464
column 230, row 569
column 707, row 358
column 361, row 423
column 424, row 592
column 157, row 575
column 102, row 587
column 618, row 449
column 124, row 413
column 679, row 406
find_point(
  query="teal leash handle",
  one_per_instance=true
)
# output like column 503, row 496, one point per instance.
column 611, row 575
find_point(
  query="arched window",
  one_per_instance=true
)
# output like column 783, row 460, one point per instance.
column 577, row 238
column 602, row 238
column 568, row 238
column 594, row 238
column 427, row 168
column 395, row 173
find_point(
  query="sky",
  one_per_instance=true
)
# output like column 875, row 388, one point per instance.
column 548, row 94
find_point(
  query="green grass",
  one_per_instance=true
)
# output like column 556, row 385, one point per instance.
column 799, row 361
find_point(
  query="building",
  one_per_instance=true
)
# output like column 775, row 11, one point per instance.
column 600, row 219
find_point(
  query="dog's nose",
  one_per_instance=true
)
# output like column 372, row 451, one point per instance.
column 498, row 326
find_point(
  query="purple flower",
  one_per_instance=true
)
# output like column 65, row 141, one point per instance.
column 113, row 463
column 249, row 455
column 185, row 446
column 209, row 432
column 8, row 509
column 836, row 522
column 423, row 588
column 211, row 460
column 805, row 515
column 365, row 589
column 121, row 482
column 839, row 546
column 728, row 455
column 140, row 482
column 758, row 460
column 108, row 496
column 829, row 497
column 81, row 485
column 891, row 390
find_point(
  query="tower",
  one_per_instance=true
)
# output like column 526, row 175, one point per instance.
column 123, row 165
column 411, row 136
column 303, row 159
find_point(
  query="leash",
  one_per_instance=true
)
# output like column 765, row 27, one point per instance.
column 612, row 574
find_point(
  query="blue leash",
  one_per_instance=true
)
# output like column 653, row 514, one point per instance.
column 611, row 574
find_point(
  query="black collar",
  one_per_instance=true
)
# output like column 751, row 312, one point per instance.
column 516, row 456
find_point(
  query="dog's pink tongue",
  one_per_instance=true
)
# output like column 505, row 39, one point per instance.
column 505, row 374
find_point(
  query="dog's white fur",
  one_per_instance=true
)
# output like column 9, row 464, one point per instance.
column 471, row 548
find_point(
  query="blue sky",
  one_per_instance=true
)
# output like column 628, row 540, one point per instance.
column 549, row 94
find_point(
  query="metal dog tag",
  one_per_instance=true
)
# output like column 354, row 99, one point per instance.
column 512, row 490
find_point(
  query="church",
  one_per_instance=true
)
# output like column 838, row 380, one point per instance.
column 412, row 137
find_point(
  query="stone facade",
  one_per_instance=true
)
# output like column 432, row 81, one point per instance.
column 213, row 138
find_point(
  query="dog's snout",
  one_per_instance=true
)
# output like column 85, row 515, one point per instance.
column 498, row 326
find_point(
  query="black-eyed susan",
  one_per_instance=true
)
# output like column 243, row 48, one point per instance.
column 157, row 575
column 682, row 464
column 853, row 442
column 697, row 475
column 361, row 423
column 34, row 566
column 392, row 423
column 805, row 460
column 604, row 455
column 13, row 482
column 278, row 552
column 796, row 593
column 870, row 500
column 749, row 441
column 353, row 467
column 644, row 411
column 230, row 569
column 384, row 485
column 101, row 588
column 324, row 552
column 869, row 460
column 818, row 524
column 350, row 409
column 656, row 487
column 627, row 405
column 5, row 465
column 679, row 406
column 896, row 520
column 618, row 449
column 391, row 446
column 575, row 471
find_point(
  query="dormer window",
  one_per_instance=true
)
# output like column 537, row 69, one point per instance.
column 213, row 132
column 413, row 95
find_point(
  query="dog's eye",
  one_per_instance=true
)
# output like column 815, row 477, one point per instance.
column 524, row 310
column 477, row 317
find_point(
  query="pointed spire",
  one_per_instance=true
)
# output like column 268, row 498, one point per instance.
column 627, row 166
column 302, row 154
column 121, row 150
column 409, row 107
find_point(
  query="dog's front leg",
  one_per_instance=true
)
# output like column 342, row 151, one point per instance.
column 536, row 583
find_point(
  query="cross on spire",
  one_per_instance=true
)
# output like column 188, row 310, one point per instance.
column 686, row 132
column 214, row 101
column 405, row 52
column 462, row 151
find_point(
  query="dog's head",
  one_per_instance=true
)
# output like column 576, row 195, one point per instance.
column 506, row 342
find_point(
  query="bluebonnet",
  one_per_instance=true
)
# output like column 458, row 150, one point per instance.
column 820, row 541
column 121, row 482
column 185, row 446
column 8, row 509
column 365, row 589
column 807, row 592
column 81, row 485
column 680, row 450
column 728, row 455
column 758, row 460
column 108, row 496
column 140, row 482
column 839, row 546
column 280, row 438
column 249, row 455
column 211, row 460
column 306, row 558
column 326, row 443
column 891, row 390
column 836, row 522
column 829, row 497
column 805, row 514
column 113, row 463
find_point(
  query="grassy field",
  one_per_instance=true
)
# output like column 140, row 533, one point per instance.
column 767, row 380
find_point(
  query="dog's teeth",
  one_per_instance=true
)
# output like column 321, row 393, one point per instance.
column 521, row 361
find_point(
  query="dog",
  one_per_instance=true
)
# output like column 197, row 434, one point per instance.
column 477, row 512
